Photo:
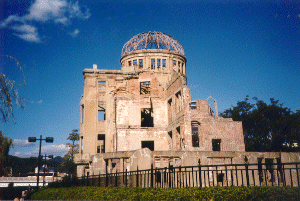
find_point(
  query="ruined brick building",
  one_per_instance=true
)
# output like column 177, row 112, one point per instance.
column 147, row 104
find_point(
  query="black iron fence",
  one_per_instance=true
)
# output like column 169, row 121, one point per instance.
column 260, row 174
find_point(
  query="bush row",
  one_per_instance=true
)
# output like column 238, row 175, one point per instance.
column 135, row 193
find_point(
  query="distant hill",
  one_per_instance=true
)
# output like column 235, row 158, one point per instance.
column 22, row 166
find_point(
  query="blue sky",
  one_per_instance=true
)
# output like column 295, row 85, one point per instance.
column 233, row 49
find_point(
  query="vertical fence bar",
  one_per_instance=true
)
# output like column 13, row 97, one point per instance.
column 180, row 174
column 126, row 177
column 284, row 178
column 169, row 176
column 253, row 177
column 151, row 182
column 242, row 175
column 137, row 176
column 190, row 178
column 116, row 184
column 173, row 183
column 106, row 175
column 231, row 172
column 297, row 174
column 247, row 174
column 236, row 176
column 99, row 179
column 199, row 167
column 226, row 175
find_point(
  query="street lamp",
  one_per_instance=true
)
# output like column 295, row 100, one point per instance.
column 49, row 156
column 33, row 139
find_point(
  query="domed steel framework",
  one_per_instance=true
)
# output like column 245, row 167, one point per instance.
column 152, row 40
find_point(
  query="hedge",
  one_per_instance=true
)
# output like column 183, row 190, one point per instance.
column 135, row 193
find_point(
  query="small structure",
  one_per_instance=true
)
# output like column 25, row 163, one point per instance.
column 144, row 114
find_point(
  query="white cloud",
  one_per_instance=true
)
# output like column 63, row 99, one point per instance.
column 74, row 33
column 43, row 10
column 27, row 32
column 55, row 150
column 22, row 143
column 58, row 11
column 75, row 10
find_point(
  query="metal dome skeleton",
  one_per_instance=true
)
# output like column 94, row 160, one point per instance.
column 152, row 40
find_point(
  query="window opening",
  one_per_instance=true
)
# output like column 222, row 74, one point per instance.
column 81, row 144
column 195, row 134
column 129, row 63
column 135, row 62
column 178, row 104
column 216, row 143
column 101, row 82
column 193, row 105
column 145, row 87
column 174, row 64
column 141, row 63
column 146, row 117
column 101, row 143
column 152, row 64
column 179, row 66
column 170, row 134
column 101, row 115
column 82, row 113
column 170, row 109
column 158, row 64
column 163, row 64
column 178, row 134
column 148, row 144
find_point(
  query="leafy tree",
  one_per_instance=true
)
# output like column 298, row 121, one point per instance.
column 5, row 144
column 9, row 95
column 74, row 148
column 267, row 127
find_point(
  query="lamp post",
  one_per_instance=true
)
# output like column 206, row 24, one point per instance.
column 49, row 156
column 33, row 139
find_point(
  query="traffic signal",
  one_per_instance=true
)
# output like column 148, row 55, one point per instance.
column 49, row 139
column 31, row 139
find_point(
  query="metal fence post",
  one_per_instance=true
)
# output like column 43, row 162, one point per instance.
column 169, row 176
column 137, row 176
column 200, row 178
column 116, row 178
column 247, row 174
column 106, row 177
column 151, row 182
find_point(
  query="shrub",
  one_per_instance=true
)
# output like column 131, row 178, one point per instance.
column 136, row 193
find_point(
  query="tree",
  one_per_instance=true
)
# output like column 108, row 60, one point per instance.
column 9, row 95
column 267, row 127
column 5, row 144
column 74, row 148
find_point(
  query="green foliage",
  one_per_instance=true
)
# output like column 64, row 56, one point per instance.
column 133, row 193
column 74, row 148
column 22, row 166
column 10, row 193
column 267, row 127
column 5, row 144
column 9, row 95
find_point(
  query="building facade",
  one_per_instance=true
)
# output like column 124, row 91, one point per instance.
column 147, row 104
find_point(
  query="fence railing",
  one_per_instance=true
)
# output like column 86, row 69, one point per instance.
column 260, row 174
